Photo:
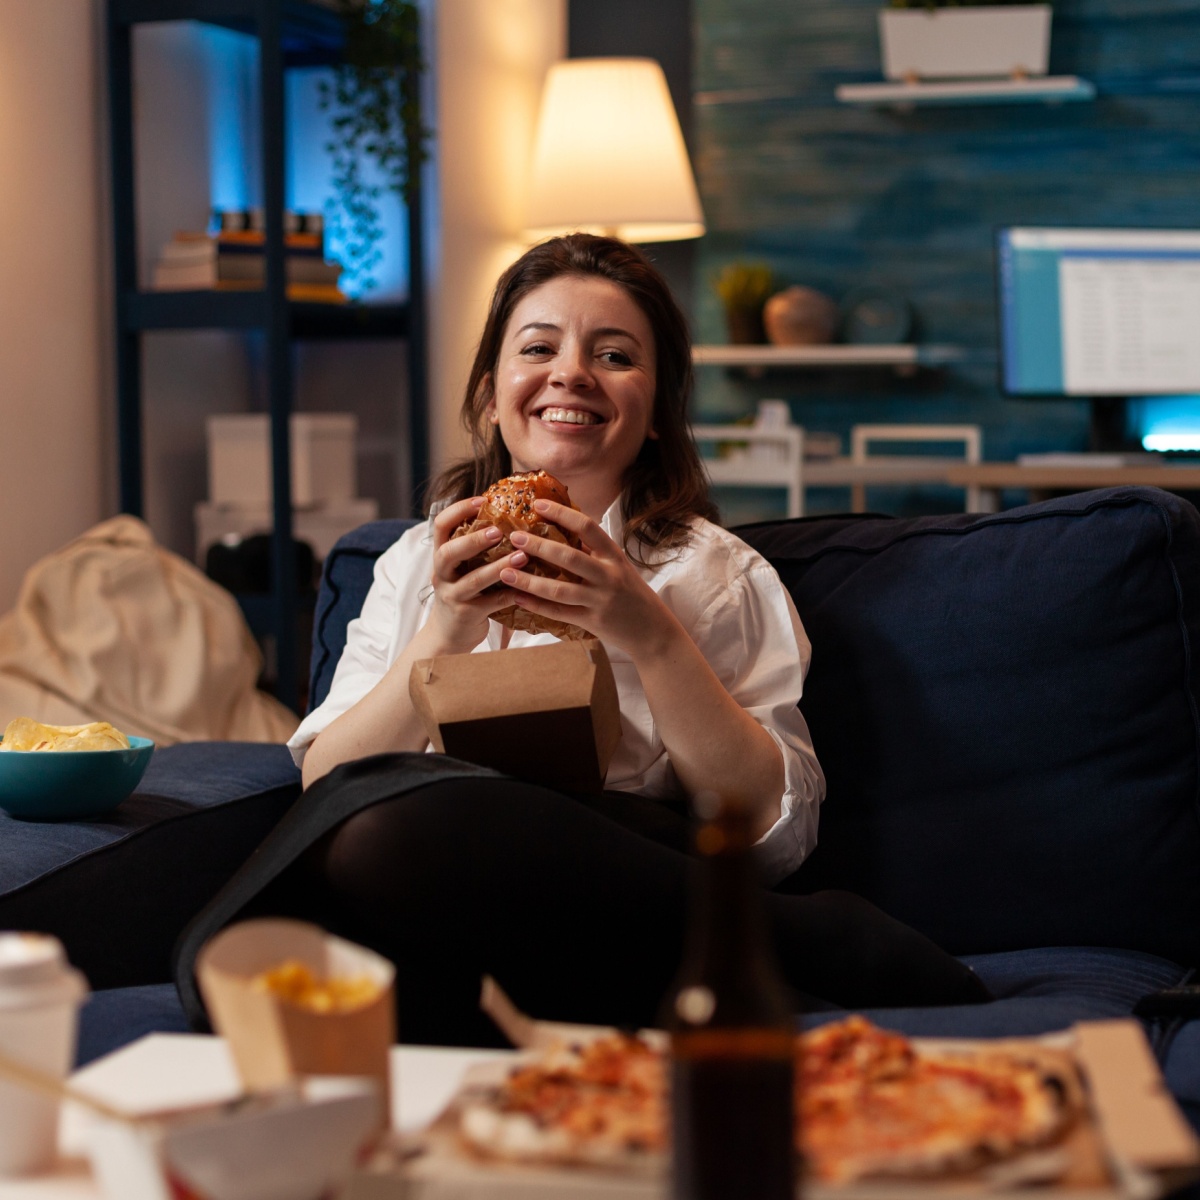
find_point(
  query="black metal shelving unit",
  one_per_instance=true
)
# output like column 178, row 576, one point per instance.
column 291, row 33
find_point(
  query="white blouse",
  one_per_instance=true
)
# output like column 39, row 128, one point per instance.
column 728, row 598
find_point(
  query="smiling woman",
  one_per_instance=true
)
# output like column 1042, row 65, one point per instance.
column 584, row 371
column 665, row 487
column 573, row 388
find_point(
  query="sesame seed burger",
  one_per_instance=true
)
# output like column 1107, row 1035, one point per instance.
column 508, row 505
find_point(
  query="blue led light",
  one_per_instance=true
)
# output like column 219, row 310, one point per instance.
column 1170, row 422
column 310, row 189
column 231, row 61
column 235, row 151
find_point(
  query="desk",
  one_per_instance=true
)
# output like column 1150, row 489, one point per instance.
column 165, row 1069
column 995, row 477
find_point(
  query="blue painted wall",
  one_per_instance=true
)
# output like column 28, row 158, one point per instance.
column 835, row 196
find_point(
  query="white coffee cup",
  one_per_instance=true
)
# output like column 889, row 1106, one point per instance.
column 40, row 995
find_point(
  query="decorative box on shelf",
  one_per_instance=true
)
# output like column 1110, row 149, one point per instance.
column 322, row 454
column 968, row 54
column 325, row 500
column 984, row 41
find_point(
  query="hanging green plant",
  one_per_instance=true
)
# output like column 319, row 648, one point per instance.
column 374, row 99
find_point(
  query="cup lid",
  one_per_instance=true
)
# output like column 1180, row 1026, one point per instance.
column 33, row 962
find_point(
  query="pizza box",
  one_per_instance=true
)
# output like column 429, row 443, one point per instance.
column 545, row 714
column 1132, row 1144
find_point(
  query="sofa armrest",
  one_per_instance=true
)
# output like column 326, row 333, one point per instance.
column 118, row 890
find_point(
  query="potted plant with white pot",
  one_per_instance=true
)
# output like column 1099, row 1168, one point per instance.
column 964, row 39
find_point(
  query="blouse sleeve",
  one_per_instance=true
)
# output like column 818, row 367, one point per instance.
column 390, row 616
column 755, row 642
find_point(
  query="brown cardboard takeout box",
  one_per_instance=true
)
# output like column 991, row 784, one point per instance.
column 545, row 714
column 274, row 1042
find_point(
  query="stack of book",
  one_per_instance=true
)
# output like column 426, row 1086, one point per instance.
column 237, row 259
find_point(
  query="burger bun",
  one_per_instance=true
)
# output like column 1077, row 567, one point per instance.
column 508, row 506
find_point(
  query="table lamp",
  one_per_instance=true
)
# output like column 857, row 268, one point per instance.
column 609, row 155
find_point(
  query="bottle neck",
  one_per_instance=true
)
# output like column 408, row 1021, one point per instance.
column 729, row 924
column 729, row 954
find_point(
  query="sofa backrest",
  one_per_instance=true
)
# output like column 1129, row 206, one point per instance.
column 346, row 576
column 1005, row 707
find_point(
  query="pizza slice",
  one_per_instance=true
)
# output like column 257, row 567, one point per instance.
column 869, row 1104
column 872, row 1104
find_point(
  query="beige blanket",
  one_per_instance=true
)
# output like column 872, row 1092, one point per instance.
column 112, row 627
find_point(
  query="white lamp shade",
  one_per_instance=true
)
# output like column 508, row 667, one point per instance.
column 609, row 155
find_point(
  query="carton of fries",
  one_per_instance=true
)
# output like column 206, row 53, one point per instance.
column 340, row 1020
column 545, row 714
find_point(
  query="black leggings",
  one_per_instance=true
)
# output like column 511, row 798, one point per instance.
column 576, row 907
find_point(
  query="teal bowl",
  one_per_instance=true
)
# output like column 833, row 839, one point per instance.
column 57, row 785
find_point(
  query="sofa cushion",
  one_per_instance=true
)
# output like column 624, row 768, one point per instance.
column 111, row 1019
column 1038, row 991
column 1116, row 977
column 1005, row 708
column 1181, row 1059
column 118, row 890
column 345, row 580
column 1015, row 1016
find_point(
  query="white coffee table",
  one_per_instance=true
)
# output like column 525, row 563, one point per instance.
column 165, row 1070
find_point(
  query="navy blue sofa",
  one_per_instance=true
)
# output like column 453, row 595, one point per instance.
column 1006, row 710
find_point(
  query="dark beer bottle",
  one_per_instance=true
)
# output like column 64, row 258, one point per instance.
column 732, row 1031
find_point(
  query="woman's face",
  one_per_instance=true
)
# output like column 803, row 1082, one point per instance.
column 573, row 390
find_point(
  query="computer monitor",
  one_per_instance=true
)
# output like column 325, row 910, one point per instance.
column 1100, row 314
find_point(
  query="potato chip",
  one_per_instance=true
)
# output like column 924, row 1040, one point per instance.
column 296, row 983
column 24, row 733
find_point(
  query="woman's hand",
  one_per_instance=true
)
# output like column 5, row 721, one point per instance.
column 611, row 600
column 384, row 719
column 689, row 703
column 458, row 618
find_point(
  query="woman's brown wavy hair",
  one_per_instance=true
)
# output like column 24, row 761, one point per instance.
column 666, row 485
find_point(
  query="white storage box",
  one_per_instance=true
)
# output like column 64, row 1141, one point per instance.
column 989, row 41
column 323, row 464
column 319, row 527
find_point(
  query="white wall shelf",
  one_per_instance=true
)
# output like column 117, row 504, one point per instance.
column 1047, row 89
column 815, row 357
